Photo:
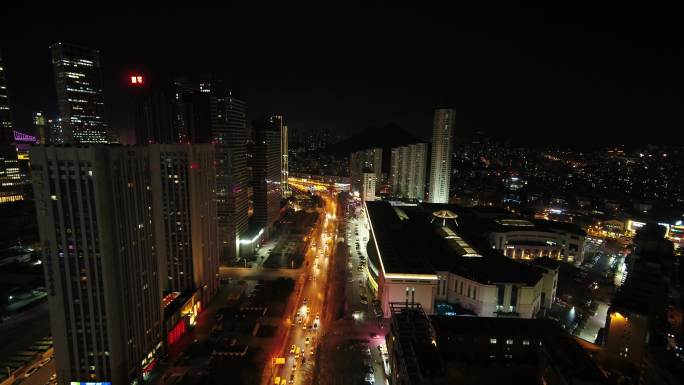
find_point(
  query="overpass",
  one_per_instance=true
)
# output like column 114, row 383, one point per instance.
column 258, row 273
column 319, row 183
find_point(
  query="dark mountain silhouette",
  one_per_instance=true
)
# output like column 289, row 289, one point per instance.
column 386, row 137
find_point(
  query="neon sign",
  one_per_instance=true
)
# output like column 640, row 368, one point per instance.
column 177, row 332
column 89, row 383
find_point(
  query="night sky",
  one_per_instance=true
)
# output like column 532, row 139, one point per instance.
column 555, row 76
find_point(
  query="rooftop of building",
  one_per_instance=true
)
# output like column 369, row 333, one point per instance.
column 643, row 287
column 173, row 301
column 410, row 242
column 564, row 354
column 546, row 262
column 442, row 349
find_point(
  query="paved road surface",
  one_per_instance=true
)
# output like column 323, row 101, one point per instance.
column 20, row 331
column 310, row 303
column 258, row 273
column 40, row 376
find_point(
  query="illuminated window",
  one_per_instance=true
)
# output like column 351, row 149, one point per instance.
column 492, row 341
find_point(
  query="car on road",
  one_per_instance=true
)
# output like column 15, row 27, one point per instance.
column 291, row 381
column 294, row 366
column 364, row 299
column 370, row 378
column 293, row 349
column 30, row 371
column 306, row 341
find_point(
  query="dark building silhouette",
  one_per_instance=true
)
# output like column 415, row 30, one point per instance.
column 153, row 114
column 266, row 174
column 207, row 111
column 10, row 179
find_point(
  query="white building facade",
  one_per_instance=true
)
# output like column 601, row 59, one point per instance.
column 442, row 148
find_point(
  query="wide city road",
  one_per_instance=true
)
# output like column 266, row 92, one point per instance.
column 307, row 321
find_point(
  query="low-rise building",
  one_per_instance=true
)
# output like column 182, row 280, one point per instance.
column 524, row 239
column 549, row 268
column 483, row 350
column 419, row 255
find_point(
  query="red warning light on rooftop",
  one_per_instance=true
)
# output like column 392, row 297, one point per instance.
column 136, row 80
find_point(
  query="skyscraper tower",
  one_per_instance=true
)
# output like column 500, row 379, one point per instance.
column 284, row 148
column 442, row 147
column 209, row 112
column 359, row 162
column 40, row 127
column 79, row 94
column 10, row 179
column 407, row 172
column 368, row 185
column 94, row 208
column 153, row 115
column 184, row 212
column 267, row 173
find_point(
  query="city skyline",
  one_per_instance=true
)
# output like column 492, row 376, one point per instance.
column 374, row 196
column 507, row 82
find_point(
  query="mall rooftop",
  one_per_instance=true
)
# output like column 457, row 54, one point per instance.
column 424, row 240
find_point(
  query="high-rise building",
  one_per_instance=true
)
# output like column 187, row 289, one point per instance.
column 266, row 174
column 23, row 143
column 153, row 114
column 183, row 183
column 56, row 135
column 40, row 127
column 362, row 160
column 284, row 149
column 442, row 147
column 407, row 174
column 10, row 179
column 369, row 185
column 94, row 207
column 209, row 112
column 79, row 94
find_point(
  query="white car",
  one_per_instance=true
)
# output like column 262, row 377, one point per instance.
column 30, row 371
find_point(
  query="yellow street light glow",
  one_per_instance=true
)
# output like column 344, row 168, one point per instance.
column 618, row 316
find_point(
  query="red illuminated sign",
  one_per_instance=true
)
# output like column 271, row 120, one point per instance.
column 177, row 332
column 136, row 80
